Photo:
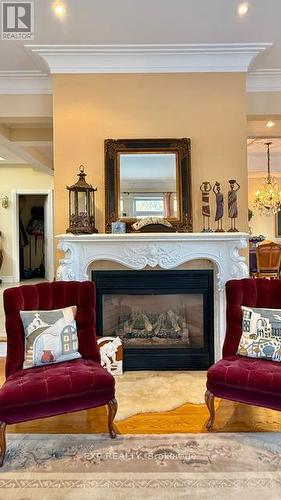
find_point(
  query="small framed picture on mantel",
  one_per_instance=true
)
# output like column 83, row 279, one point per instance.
column 118, row 227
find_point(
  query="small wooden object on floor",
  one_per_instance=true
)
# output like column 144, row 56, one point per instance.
column 2, row 442
column 210, row 402
column 112, row 409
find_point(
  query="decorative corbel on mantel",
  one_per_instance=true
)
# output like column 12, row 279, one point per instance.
column 146, row 58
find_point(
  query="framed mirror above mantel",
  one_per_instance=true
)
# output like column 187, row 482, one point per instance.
column 148, row 178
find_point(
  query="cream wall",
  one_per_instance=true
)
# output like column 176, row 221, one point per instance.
column 16, row 177
column 209, row 108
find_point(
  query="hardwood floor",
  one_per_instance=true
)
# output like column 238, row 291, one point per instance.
column 230, row 417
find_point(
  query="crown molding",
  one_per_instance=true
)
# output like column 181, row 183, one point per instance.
column 25, row 82
column 264, row 80
column 143, row 58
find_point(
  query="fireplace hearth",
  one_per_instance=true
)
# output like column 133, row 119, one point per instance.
column 164, row 318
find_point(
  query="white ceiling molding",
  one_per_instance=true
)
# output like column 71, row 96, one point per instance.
column 264, row 80
column 25, row 82
column 144, row 58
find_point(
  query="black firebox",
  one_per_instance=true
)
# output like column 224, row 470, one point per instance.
column 164, row 318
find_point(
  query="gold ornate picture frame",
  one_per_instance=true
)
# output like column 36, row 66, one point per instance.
column 181, row 147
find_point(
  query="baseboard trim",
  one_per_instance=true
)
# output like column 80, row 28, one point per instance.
column 8, row 279
column 3, row 348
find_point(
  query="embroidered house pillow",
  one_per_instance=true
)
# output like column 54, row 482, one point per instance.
column 261, row 333
column 50, row 336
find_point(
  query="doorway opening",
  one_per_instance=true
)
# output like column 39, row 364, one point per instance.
column 32, row 234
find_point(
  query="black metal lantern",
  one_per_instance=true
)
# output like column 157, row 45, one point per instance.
column 81, row 206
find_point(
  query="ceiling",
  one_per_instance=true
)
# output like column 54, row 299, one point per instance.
column 257, row 145
column 151, row 22
column 257, row 155
column 9, row 158
column 112, row 22
column 27, row 141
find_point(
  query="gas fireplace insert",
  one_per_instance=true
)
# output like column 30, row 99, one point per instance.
column 164, row 318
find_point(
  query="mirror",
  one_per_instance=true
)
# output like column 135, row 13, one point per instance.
column 148, row 185
column 148, row 178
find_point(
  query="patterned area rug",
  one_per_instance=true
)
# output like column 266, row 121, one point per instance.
column 158, row 391
column 225, row 466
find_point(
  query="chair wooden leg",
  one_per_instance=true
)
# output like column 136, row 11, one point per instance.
column 210, row 402
column 2, row 442
column 112, row 409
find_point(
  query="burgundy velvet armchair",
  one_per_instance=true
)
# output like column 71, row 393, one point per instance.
column 45, row 391
column 246, row 380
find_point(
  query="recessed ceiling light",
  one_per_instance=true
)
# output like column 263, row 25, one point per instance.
column 270, row 124
column 242, row 9
column 59, row 9
column 2, row 159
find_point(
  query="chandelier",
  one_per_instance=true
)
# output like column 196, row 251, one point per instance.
column 268, row 198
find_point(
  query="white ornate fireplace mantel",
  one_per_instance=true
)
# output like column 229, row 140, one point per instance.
column 166, row 250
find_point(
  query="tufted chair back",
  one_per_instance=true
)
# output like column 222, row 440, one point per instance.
column 260, row 292
column 47, row 296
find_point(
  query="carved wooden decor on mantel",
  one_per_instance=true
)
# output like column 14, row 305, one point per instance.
column 153, row 225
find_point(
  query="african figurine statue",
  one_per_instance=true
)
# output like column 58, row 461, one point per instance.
column 232, row 204
column 219, row 207
column 205, row 189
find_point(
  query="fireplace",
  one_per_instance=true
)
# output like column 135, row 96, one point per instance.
column 165, row 251
column 164, row 318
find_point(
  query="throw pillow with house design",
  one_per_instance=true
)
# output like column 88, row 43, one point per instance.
column 50, row 336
